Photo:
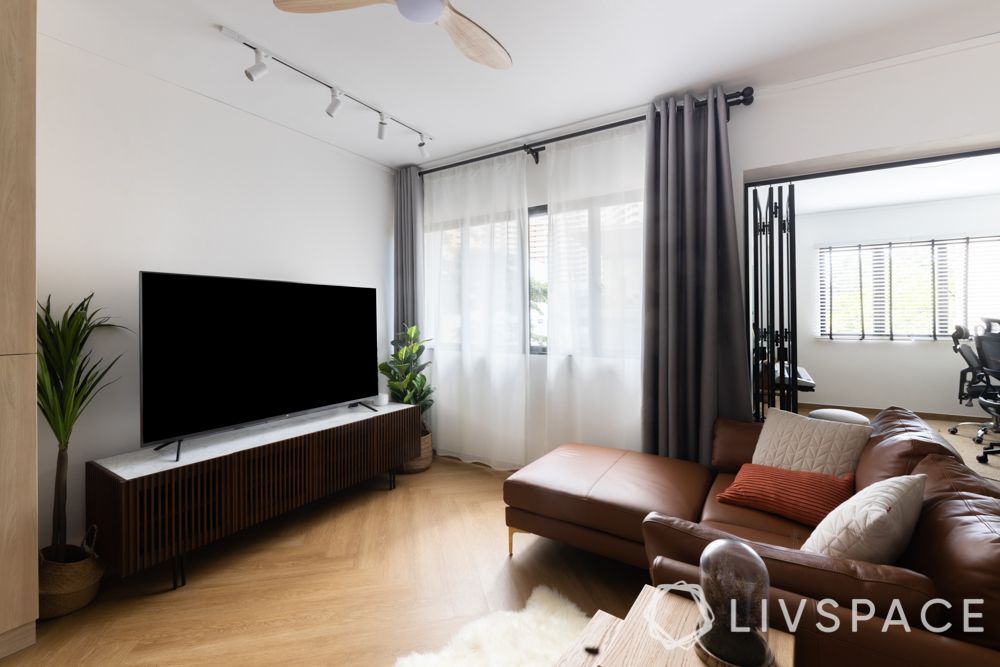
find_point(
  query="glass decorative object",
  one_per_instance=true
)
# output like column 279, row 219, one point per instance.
column 735, row 584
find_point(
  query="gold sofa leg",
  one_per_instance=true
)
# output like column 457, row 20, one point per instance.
column 510, row 539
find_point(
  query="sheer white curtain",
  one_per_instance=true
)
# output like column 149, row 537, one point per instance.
column 475, row 309
column 593, row 382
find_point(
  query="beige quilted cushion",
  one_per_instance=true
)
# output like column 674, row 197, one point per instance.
column 795, row 442
column 875, row 525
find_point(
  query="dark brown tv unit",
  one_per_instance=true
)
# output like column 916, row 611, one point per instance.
column 151, row 517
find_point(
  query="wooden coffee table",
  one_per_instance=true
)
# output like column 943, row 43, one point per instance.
column 627, row 643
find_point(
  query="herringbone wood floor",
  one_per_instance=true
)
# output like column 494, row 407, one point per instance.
column 357, row 579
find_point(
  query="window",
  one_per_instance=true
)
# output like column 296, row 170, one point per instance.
column 603, row 296
column 910, row 290
column 538, row 278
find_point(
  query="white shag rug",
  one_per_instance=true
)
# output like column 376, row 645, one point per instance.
column 536, row 636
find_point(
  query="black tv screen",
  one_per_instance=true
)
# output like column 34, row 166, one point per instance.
column 221, row 352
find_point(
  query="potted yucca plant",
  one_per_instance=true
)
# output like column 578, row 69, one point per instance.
column 408, row 384
column 68, row 380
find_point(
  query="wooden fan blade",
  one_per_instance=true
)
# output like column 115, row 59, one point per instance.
column 317, row 6
column 472, row 40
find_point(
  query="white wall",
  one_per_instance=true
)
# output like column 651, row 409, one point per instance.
column 138, row 174
column 921, row 375
column 931, row 103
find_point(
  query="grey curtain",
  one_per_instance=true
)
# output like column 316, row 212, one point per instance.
column 694, row 361
column 409, row 239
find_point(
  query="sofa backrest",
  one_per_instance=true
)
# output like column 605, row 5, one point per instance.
column 733, row 443
column 957, row 543
column 900, row 440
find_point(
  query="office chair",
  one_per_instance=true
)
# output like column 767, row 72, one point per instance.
column 971, row 381
column 989, row 356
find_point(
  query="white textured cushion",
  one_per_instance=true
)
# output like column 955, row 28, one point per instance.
column 874, row 525
column 795, row 442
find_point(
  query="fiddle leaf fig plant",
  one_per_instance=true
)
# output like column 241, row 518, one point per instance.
column 404, row 370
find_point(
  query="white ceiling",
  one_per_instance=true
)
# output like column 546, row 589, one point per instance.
column 929, row 181
column 573, row 59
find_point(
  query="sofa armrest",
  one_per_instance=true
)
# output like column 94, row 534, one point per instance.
column 733, row 443
column 807, row 574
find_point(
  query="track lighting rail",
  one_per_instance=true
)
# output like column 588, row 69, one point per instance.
column 382, row 116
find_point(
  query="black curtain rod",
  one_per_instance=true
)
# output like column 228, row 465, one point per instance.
column 742, row 97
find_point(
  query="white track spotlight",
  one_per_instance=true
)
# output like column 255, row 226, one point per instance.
column 259, row 67
column 336, row 99
column 382, row 123
column 425, row 152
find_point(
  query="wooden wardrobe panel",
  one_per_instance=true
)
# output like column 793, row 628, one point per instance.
column 17, row 176
column 18, row 492
column 18, row 420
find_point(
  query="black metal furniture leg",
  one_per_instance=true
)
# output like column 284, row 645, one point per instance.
column 178, row 573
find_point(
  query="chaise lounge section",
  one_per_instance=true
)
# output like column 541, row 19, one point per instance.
column 595, row 498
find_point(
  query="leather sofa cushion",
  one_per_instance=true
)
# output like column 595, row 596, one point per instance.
column 900, row 440
column 610, row 490
column 733, row 443
column 957, row 543
column 894, row 421
column 755, row 535
column 946, row 477
column 749, row 523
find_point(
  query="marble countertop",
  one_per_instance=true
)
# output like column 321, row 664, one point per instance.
column 145, row 461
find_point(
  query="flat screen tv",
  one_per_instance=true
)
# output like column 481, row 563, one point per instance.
column 216, row 353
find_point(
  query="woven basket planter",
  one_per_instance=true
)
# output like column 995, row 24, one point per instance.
column 422, row 462
column 64, row 587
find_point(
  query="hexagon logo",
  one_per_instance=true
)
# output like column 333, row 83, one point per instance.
column 686, row 642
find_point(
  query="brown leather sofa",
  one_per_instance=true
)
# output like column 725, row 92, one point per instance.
column 651, row 511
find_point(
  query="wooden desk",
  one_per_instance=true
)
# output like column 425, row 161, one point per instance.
column 627, row 643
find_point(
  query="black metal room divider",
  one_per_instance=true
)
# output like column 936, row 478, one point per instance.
column 771, row 298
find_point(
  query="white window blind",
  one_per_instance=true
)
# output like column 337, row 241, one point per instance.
column 910, row 290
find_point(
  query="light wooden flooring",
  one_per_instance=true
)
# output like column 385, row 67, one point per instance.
column 357, row 579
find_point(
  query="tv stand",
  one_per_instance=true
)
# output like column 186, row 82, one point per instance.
column 152, row 508
column 363, row 405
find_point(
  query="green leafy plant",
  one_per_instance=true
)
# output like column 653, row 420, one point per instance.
column 68, row 380
column 404, row 370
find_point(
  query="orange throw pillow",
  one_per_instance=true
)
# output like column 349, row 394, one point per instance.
column 806, row 497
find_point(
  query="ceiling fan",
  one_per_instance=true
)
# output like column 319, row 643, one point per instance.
column 470, row 38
